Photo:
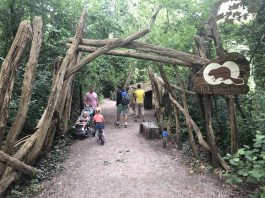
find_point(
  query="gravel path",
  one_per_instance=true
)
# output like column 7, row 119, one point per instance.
column 127, row 166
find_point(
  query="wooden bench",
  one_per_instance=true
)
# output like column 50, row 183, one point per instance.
column 150, row 130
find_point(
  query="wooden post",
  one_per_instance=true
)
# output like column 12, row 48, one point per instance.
column 8, row 71
column 210, row 133
column 55, row 94
column 158, row 94
column 178, row 127
column 198, row 133
column 233, row 124
column 173, row 93
column 27, row 86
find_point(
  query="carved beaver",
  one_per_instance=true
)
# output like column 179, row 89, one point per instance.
column 225, row 74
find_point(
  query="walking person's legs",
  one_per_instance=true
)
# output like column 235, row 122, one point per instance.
column 141, row 112
column 125, row 112
column 119, row 110
column 137, row 109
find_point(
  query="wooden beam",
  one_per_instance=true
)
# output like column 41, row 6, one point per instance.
column 149, row 48
column 17, row 164
column 109, row 46
column 133, row 54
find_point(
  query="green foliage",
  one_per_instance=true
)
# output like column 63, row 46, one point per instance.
column 249, row 163
column 50, row 163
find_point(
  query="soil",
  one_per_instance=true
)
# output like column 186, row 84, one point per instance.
column 129, row 166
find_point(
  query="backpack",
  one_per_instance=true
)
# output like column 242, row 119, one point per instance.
column 125, row 99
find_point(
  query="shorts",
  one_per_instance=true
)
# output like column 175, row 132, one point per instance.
column 122, row 109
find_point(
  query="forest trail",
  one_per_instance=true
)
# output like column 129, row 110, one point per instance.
column 128, row 166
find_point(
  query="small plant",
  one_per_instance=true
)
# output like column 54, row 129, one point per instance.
column 248, row 164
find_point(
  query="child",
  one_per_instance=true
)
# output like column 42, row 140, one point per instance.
column 98, row 121
column 165, row 137
column 82, row 120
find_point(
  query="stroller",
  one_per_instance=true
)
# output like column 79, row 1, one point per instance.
column 82, row 128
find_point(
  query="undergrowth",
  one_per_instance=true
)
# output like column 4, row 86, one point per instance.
column 50, row 163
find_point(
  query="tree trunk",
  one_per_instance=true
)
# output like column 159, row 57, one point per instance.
column 216, row 37
column 8, row 72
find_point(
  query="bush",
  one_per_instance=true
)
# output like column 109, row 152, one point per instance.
column 248, row 164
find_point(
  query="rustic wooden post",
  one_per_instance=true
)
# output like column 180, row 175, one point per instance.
column 221, row 127
column 27, row 86
column 8, row 71
column 209, row 129
column 233, row 124
column 158, row 94
column 178, row 127
column 44, row 123
column 38, row 138
column 201, row 140
column 169, row 124
column 188, row 121
column 67, row 109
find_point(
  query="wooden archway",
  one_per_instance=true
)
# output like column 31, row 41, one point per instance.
column 58, row 105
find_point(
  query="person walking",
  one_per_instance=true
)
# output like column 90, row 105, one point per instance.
column 91, row 98
column 122, row 102
column 139, row 95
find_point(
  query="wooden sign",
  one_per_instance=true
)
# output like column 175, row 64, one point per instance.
column 227, row 75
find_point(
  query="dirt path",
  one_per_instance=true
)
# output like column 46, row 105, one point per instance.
column 127, row 166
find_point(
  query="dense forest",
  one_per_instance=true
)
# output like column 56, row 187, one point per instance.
column 241, row 27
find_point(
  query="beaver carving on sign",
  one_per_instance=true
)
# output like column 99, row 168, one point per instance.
column 225, row 74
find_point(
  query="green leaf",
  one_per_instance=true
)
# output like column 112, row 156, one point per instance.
column 241, row 151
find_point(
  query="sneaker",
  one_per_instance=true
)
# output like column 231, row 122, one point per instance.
column 116, row 124
column 125, row 126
